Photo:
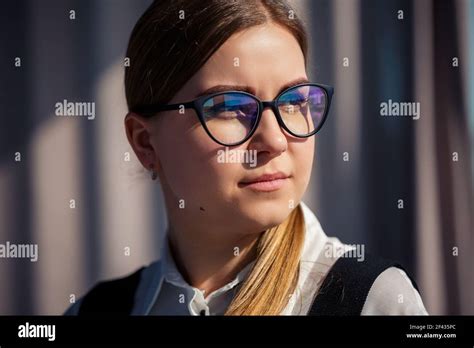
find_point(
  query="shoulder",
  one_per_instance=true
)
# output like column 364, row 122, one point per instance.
column 110, row 296
column 393, row 293
column 369, row 286
column 376, row 285
column 73, row 309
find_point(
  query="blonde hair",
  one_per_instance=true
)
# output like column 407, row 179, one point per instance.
column 274, row 276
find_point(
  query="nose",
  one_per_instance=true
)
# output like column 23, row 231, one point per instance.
column 269, row 137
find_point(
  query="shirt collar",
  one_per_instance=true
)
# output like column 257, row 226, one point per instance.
column 169, row 269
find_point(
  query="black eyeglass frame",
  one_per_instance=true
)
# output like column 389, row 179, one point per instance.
column 151, row 110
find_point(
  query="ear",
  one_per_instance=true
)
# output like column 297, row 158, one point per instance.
column 139, row 132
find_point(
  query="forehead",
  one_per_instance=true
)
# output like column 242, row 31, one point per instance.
column 263, row 57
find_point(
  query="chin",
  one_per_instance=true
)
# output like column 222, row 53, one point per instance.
column 267, row 214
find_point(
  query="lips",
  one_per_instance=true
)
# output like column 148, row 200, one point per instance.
column 266, row 177
column 266, row 182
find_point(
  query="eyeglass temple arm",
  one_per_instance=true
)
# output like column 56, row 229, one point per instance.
column 151, row 109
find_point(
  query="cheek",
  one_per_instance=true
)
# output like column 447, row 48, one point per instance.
column 303, row 154
column 189, row 164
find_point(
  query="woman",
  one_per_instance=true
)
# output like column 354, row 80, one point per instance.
column 240, row 241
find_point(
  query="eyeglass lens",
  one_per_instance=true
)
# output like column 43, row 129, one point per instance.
column 231, row 116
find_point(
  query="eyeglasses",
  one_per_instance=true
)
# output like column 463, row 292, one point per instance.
column 230, row 118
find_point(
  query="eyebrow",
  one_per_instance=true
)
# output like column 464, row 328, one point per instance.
column 248, row 89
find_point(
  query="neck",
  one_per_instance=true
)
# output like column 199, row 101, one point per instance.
column 207, row 257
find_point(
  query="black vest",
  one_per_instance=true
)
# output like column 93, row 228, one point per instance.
column 343, row 292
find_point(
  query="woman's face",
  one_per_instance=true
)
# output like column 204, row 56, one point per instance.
column 265, row 59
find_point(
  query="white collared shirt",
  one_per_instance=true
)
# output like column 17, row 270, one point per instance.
column 163, row 291
column 177, row 297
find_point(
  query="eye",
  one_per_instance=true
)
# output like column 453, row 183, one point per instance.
column 230, row 110
column 294, row 97
column 301, row 101
column 296, row 103
column 224, row 106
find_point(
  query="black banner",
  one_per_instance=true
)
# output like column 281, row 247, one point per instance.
column 414, row 330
